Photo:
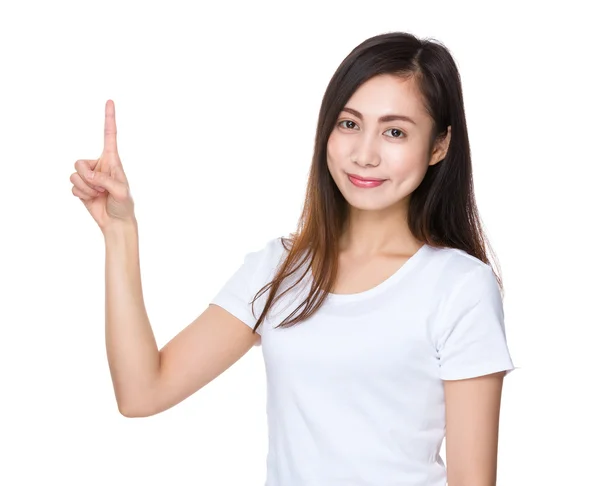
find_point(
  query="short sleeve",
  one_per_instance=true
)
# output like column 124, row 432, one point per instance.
column 471, row 338
column 237, row 293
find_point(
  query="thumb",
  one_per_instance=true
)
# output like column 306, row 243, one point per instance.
column 117, row 189
column 119, row 173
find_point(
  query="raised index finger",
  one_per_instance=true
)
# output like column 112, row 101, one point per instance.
column 110, row 128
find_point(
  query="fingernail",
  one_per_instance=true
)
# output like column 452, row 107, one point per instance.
column 90, row 174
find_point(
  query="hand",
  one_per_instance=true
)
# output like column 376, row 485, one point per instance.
column 101, row 184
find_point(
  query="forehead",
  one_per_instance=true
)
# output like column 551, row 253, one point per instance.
column 388, row 94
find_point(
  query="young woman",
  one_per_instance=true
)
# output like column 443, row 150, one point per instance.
column 381, row 319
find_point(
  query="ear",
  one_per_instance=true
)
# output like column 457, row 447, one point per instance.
column 441, row 147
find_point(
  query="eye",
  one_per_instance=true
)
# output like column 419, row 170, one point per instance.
column 347, row 124
column 396, row 133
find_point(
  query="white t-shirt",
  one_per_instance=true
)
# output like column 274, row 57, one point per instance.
column 355, row 394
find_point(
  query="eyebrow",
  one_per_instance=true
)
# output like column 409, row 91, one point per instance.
column 383, row 119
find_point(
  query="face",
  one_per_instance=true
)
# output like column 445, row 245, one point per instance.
column 382, row 133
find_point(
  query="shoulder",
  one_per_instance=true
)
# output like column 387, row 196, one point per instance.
column 457, row 267
column 460, row 280
column 262, row 260
column 467, row 328
column 271, row 249
column 456, row 262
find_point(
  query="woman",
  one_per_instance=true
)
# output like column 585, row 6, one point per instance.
column 381, row 319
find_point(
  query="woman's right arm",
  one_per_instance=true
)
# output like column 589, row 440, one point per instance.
column 147, row 380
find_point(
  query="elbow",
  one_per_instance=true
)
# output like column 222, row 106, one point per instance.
column 127, row 413
column 140, row 403
column 129, row 410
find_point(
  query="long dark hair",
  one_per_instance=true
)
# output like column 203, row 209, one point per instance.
column 442, row 210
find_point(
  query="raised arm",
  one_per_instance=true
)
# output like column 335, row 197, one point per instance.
column 147, row 380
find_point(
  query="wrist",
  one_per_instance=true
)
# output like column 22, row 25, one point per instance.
column 120, row 228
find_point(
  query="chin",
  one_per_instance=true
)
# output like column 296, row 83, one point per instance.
column 368, row 204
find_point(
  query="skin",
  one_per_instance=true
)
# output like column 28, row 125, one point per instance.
column 146, row 380
column 395, row 150
column 377, row 239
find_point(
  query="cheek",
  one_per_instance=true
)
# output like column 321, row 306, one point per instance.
column 406, row 163
column 331, row 155
column 335, row 148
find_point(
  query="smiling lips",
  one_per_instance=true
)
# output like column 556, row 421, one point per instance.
column 365, row 183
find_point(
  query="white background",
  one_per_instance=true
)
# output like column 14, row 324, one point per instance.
column 216, row 110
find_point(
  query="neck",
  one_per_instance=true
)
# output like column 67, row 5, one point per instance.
column 371, row 233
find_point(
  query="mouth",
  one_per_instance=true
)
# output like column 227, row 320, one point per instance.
column 364, row 182
column 364, row 179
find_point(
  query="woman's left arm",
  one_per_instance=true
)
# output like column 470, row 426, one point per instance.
column 472, row 422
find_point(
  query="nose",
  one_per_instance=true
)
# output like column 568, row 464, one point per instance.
column 366, row 152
